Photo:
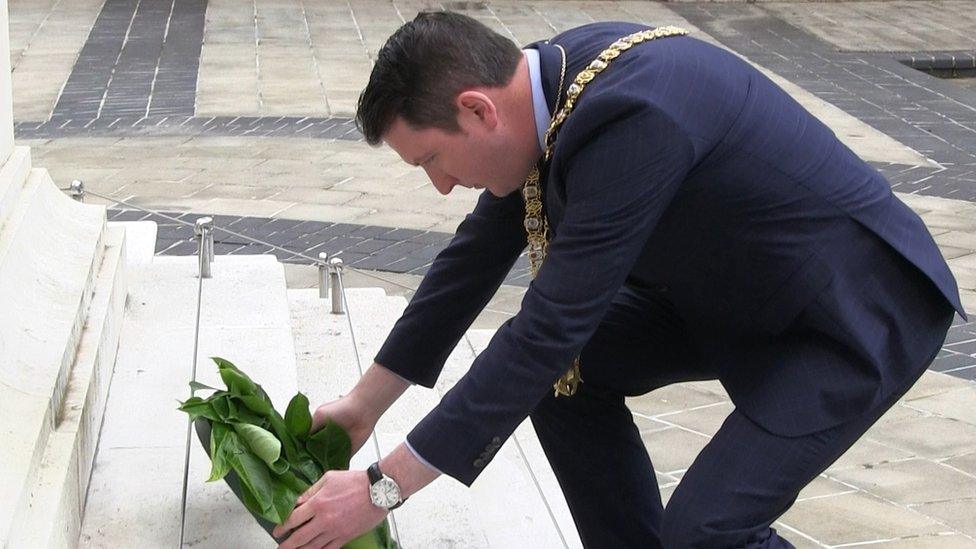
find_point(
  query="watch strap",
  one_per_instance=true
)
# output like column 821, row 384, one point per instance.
column 374, row 473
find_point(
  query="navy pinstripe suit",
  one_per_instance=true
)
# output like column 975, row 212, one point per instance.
column 705, row 226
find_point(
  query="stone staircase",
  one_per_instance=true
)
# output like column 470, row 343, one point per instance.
column 62, row 297
column 287, row 340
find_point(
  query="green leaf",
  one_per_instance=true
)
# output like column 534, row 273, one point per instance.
column 369, row 540
column 331, row 447
column 298, row 418
column 221, row 406
column 307, row 466
column 220, row 465
column 295, row 483
column 283, row 501
column 237, row 381
column 383, row 532
column 197, row 407
column 254, row 474
column 377, row 538
column 239, row 412
column 288, row 442
column 257, row 404
column 264, row 444
column 197, row 386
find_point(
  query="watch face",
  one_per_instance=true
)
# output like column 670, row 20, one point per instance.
column 384, row 493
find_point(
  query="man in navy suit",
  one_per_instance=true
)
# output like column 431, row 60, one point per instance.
column 702, row 225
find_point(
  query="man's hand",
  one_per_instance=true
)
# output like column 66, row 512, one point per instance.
column 353, row 415
column 333, row 512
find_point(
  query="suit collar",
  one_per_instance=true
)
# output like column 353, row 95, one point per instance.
column 551, row 63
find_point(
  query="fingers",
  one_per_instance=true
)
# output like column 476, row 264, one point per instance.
column 299, row 516
column 320, row 541
column 304, row 537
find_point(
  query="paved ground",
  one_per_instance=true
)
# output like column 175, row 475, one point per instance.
column 242, row 109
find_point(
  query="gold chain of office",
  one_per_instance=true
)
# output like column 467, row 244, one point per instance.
column 536, row 225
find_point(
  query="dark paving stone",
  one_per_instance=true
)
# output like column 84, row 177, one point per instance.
column 175, row 119
column 400, row 234
column 132, row 47
column 370, row 231
column 372, row 246
column 952, row 362
column 408, row 264
column 965, row 373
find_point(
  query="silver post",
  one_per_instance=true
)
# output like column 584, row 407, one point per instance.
column 210, row 242
column 335, row 273
column 323, row 275
column 204, row 231
column 78, row 190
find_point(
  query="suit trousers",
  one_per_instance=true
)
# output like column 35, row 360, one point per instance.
column 742, row 480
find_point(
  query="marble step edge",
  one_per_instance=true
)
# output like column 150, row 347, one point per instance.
column 50, row 250
column 51, row 512
column 13, row 177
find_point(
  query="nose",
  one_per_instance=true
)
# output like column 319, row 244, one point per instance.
column 442, row 182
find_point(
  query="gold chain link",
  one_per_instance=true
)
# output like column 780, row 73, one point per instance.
column 536, row 224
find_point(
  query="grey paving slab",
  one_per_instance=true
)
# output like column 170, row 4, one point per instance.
column 901, row 25
column 929, row 115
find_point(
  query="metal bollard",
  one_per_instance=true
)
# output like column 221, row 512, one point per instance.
column 78, row 190
column 335, row 272
column 204, row 231
column 323, row 275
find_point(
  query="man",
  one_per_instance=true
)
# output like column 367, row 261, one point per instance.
column 701, row 225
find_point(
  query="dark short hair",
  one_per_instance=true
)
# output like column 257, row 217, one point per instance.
column 425, row 64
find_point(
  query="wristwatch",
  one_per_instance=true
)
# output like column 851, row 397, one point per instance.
column 383, row 490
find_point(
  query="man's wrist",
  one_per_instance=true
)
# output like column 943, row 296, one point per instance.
column 377, row 390
column 407, row 471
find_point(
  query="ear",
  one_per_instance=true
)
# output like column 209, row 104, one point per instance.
column 476, row 108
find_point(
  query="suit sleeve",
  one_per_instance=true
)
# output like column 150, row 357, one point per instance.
column 459, row 284
column 622, row 174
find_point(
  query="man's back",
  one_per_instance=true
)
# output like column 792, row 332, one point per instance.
column 765, row 212
column 762, row 213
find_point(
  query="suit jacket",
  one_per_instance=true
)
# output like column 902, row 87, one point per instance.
column 684, row 167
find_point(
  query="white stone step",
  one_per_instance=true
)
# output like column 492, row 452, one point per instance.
column 140, row 238
column 50, row 250
column 136, row 487
column 506, row 507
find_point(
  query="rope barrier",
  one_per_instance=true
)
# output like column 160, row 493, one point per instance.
column 359, row 364
column 251, row 239
column 204, row 269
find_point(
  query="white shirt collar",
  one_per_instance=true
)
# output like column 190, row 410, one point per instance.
column 539, row 105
